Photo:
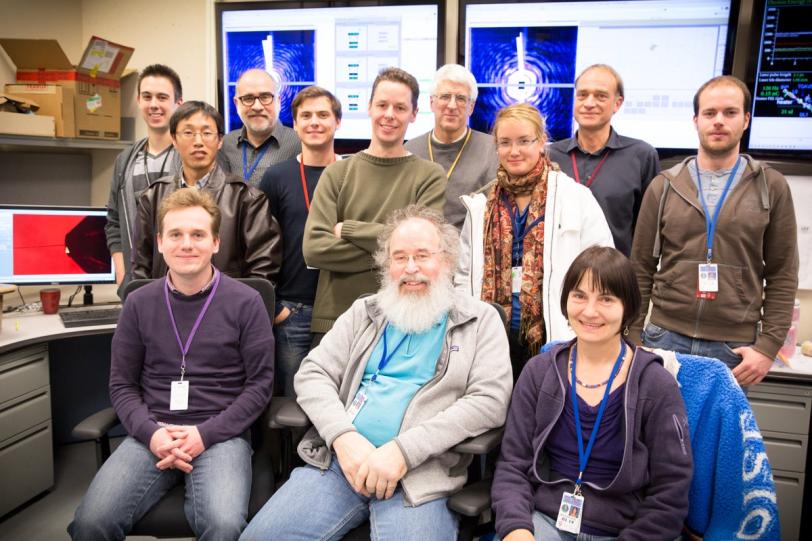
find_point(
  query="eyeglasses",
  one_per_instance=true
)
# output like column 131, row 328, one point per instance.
column 420, row 258
column 266, row 98
column 507, row 144
column 459, row 99
column 207, row 136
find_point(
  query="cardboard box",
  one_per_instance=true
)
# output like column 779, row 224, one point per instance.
column 22, row 124
column 95, row 81
column 53, row 100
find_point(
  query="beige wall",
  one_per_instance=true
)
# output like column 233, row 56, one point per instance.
column 51, row 19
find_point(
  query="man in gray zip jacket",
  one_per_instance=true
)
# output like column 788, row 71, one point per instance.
column 402, row 377
column 137, row 167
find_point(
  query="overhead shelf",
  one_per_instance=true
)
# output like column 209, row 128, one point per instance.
column 31, row 142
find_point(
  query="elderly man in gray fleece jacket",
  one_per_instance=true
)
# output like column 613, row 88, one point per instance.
column 402, row 377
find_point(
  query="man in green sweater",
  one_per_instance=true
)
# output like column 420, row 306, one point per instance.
column 355, row 197
column 468, row 156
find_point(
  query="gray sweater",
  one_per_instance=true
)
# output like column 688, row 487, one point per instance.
column 475, row 168
column 468, row 395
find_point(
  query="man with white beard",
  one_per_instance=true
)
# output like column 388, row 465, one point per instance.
column 402, row 377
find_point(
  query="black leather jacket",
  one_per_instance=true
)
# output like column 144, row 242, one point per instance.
column 250, row 238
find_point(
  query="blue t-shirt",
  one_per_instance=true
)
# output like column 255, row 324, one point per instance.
column 412, row 364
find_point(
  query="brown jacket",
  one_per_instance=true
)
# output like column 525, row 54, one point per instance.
column 755, row 246
column 250, row 239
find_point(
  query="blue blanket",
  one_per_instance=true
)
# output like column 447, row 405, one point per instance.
column 732, row 494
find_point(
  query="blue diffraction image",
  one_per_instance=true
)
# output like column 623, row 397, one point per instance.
column 289, row 53
column 525, row 64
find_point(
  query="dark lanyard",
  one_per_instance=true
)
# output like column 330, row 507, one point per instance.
column 184, row 349
column 246, row 172
column 583, row 457
column 385, row 358
column 146, row 166
column 710, row 223
column 594, row 174
column 519, row 236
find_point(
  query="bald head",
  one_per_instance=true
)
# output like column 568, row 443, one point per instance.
column 259, row 119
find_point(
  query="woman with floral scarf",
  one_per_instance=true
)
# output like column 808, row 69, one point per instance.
column 522, row 232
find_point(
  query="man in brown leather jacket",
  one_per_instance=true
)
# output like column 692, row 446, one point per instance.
column 250, row 239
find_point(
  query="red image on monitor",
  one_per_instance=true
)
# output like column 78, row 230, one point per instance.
column 59, row 244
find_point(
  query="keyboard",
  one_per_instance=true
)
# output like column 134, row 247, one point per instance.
column 90, row 316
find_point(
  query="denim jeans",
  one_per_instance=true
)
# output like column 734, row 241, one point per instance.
column 655, row 336
column 292, row 344
column 544, row 530
column 313, row 506
column 128, row 485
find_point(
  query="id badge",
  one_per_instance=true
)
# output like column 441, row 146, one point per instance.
column 179, row 396
column 516, row 279
column 570, row 512
column 708, row 274
column 357, row 403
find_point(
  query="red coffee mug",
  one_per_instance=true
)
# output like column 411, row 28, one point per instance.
column 50, row 300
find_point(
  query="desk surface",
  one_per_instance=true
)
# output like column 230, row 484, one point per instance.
column 34, row 328
column 799, row 369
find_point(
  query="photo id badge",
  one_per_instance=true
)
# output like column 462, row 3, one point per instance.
column 708, row 281
column 179, row 397
column 569, row 514
column 515, row 279
column 357, row 403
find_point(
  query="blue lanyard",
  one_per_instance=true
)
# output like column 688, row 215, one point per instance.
column 184, row 349
column 386, row 358
column 246, row 172
column 519, row 236
column 710, row 223
column 583, row 457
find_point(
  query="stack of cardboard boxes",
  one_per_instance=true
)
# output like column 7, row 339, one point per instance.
column 84, row 100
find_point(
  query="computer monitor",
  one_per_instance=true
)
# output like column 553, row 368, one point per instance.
column 781, row 121
column 339, row 48
column 54, row 245
column 663, row 50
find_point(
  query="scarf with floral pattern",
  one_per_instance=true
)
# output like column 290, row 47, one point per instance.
column 496, row 284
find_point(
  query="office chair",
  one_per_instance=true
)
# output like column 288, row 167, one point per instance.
column 474, row 499
column 167, row 518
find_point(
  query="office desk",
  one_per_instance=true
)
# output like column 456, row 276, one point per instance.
column 782, row 404
column 36, row 350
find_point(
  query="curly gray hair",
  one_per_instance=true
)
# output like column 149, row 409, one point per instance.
column 449, row 236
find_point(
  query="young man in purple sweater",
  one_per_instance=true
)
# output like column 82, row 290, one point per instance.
column 191, row 369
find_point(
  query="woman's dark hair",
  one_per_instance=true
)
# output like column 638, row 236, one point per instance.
column 610, row 272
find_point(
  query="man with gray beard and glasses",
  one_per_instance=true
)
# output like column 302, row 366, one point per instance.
column 402, row 377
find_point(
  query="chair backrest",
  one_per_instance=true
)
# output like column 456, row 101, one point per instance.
column 732, row 494
column 261, row 285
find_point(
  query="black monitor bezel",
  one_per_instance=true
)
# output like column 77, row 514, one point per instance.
column 4, row 206
column 727, row 66
column 342, row 146
column 750, row 77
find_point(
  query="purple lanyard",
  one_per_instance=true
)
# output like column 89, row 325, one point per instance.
column 185, row 349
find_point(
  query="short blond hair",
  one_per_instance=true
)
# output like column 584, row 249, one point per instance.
column 185, row 198
column 525, row 112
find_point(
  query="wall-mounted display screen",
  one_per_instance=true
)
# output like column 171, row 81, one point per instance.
column 663, row 50
column 54, row 245
column 782, row 88
column 341, row 49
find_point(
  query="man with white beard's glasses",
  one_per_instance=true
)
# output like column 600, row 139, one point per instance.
column 402, row 377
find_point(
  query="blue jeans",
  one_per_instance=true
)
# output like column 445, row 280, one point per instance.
column 293, row 340
column 655, row 336
column 313, row 505
column 128, row 485
column 544, row 530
